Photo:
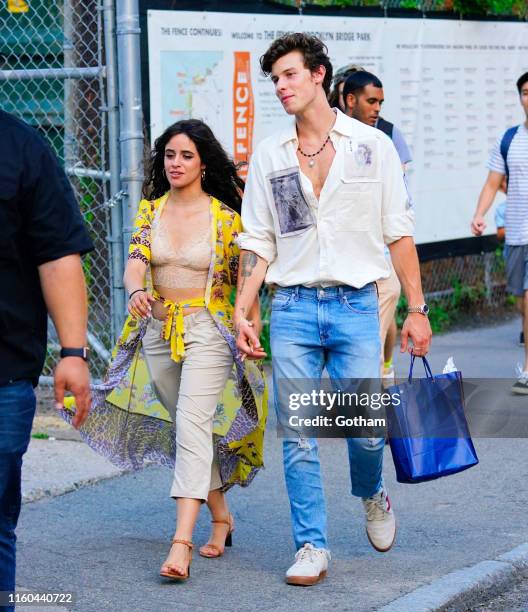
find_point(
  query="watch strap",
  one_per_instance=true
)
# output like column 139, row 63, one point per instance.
column 75, row 352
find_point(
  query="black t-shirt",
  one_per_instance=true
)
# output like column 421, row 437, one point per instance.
column 39, row 221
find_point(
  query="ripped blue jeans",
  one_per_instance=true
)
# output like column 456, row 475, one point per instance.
column 336, row 328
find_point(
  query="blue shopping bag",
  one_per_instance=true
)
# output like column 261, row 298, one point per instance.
column 428, row 432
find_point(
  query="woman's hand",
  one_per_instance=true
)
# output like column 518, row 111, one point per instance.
column 139, row 305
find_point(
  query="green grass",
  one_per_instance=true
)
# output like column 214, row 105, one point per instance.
column 40, row 435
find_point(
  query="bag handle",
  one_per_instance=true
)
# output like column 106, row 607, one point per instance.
column 428, row 372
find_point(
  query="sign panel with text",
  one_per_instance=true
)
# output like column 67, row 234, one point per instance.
column 449, row 86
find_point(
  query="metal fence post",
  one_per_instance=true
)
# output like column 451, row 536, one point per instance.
column 69, row 152
column 130, row 110
column 116, row 213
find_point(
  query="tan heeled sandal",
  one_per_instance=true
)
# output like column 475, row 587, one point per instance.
column 228, row 540
column 172, row 574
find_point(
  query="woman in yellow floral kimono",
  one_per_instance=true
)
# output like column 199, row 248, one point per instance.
column 177, row 392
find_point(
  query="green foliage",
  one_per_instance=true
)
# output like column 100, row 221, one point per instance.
column 501, row 7
column 463, row 297
column 464, row 7
column 444, row 313
column 265, row 340
column 39, row 435
column 475, row 7
column 439, row 317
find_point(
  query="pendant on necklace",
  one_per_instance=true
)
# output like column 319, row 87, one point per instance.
column 311, row 163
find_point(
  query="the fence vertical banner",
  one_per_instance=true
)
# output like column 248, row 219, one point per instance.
column 116, row 213
column 243, row 110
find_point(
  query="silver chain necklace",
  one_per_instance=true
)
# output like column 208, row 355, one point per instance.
column 311, row 163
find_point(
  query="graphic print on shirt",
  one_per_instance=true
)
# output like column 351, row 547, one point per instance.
column 361, row 160
column 293, row 210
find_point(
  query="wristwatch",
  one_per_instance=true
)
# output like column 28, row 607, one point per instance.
column 75, row 352
column 421, row 309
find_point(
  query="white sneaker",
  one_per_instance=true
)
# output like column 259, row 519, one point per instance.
column 388, row 377
column 521, row 385
column 381, row 524
column 310, row 566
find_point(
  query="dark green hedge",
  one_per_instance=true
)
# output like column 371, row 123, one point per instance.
column 511, row 8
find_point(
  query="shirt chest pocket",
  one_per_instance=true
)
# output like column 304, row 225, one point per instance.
column 355, row 207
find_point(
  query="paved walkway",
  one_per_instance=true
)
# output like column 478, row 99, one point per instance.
column 106, row 542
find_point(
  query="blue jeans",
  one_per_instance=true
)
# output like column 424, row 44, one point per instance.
column 336, row 328
column 17, row 409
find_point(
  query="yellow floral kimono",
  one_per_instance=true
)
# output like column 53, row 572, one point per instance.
column 127, row 422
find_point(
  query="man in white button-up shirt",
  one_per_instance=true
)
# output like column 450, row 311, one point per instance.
column 322, row 198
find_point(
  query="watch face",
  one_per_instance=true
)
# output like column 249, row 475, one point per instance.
column 425, row 309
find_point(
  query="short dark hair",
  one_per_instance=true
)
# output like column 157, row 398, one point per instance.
column 521, row 81
column 357, row 81
column 314, row 51
column 340, row 76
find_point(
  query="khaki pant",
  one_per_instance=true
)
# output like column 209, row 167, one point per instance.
column 388, row 295
column 190, row 389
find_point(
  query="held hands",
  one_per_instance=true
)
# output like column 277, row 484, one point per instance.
column 247, row 339
column 417, row 328
column 71, row 374
column 139, row 304
column 478, row 225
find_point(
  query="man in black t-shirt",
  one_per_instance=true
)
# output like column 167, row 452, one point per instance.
column 42, row 236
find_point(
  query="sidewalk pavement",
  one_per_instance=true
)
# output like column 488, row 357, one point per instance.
column 54, row 466
column 106, row 542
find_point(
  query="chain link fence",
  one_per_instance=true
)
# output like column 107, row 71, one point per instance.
column 52, row 77
column 464, row 290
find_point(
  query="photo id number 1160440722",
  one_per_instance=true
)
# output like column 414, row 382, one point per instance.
column 35, row 598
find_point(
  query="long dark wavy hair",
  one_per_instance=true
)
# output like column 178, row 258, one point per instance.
column 221, row 179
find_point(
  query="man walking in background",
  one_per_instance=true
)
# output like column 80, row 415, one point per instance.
column 43, row 235
column 366, row 105
column 509, row 158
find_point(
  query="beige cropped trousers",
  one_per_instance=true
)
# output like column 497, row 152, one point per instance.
column 389, row 290
column 190, row 390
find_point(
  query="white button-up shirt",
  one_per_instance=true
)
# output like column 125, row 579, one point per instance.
column 340, row 238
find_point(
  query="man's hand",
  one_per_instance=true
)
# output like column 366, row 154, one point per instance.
column 247, row 340
column 71, row 374
column 417, row 328
column 478, row 225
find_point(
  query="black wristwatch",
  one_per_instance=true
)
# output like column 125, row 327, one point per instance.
column 75, row 352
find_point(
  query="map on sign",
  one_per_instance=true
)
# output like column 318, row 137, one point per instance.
column 192, row 86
